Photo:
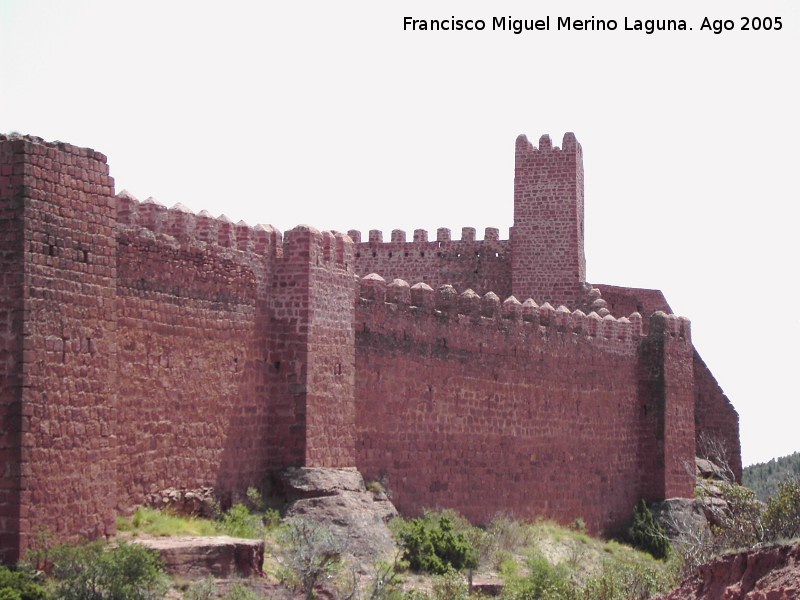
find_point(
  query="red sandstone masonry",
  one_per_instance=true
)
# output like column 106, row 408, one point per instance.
column 182, row 224
column 312, row 350
column 667, row 358
column 68, row 395
column 483, row 266
column 196, row 316
column 541, row 406
column 143, row 347
column 192, row 327
column 330, row 403
column 548, row 260
column 624, row 300
column 714, row 414
column 229, row 315
column 12, row 182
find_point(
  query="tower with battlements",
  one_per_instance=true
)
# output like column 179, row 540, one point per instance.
column 548, row 261
column 145, row 348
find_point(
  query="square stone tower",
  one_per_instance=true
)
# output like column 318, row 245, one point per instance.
column 548, row 262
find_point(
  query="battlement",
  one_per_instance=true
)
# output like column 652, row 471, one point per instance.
column 172, row 348
column 548, row 258
column 442, row 247
column 443, row 234
column 32, row 144
column 319, row 247
column 180, row 223
column 569, row 144
column 481, row 265
column 398, row 299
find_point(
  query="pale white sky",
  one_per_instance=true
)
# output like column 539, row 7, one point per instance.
column 328, row 113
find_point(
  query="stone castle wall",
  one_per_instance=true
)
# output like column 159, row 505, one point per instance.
column 12, row 280
column 143, row 348
column 469, row 402
column 192, row 330
column 480, row 265
column 59, row 393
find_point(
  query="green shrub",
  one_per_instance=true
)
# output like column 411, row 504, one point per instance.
column 543, row 581
column 504, row 536
column 95, row 571
column 272, row 519
column 376, row 487
column 645, row 534
column 502, row 560
column 240, row 522
column 386, row 582
column 782, row 515
column 450, row 586
column 308, row 553
column 239, row 591
column 416, row 595
column 19, row 585
column 433, row 545
column 742, row 526
column 255, row 501
column 205, row 589
column 627, row 582
column 578, row 525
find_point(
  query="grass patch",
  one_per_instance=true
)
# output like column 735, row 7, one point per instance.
column 546, row 560
column 154, row 522
column 239, row 521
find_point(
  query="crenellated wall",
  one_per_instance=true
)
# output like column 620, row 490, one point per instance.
column 192, row 325
column 544, row 407
column 624, row 300
column 235, row 331
column 145, row 347
column 482, row 265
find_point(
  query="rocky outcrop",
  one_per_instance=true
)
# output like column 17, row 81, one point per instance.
column 760, row 574
column 677, row 516
column 706, row 469
column 695, row 517
column 339, row 500
column 198, row 557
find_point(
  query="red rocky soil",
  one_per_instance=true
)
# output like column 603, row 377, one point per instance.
column 760, row 574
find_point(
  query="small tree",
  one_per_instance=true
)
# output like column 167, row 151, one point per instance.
column 309, row 553
column 782, row 515
column 19, row 585
column 646, row 534
column 741, row 525
column 96, row 571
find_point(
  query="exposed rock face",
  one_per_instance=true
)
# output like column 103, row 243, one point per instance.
column 679, row 515
column 761, row 574
column 339, row 500
column 313, row 482
column 695, row 516
column 198, row 557
column 705, row 469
